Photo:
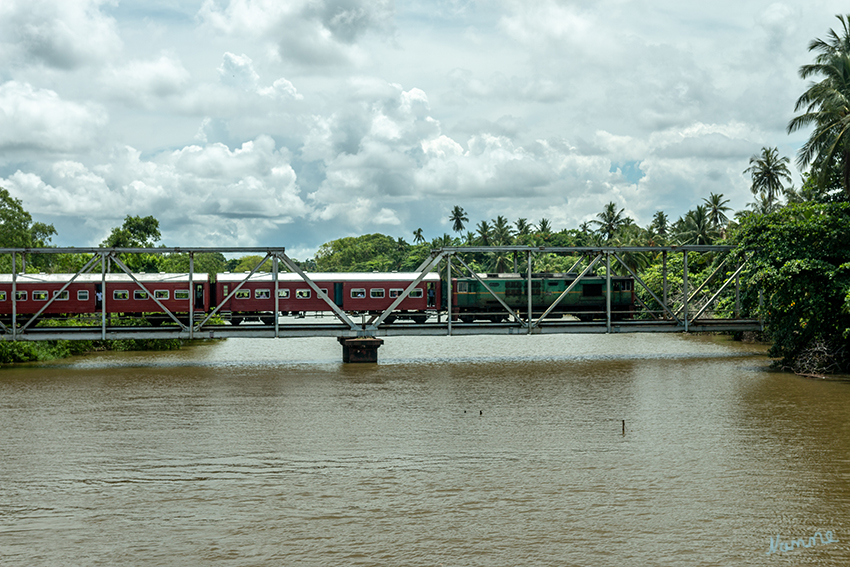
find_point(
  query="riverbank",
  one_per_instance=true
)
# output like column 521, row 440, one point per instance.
column 42, row 351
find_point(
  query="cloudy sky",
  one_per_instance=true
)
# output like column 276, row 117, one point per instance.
column 294, row 122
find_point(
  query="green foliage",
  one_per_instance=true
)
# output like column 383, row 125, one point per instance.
column 25, row 351
column 802, row 264
column 367, row 253
column 14, row 352
column 136, row 232
column 18, row 231
column 248, row 263
column 205, row 263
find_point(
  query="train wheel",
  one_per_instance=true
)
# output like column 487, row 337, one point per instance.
column 235, row 320
column 267, row 320
column 467, row 318
column 420, row 319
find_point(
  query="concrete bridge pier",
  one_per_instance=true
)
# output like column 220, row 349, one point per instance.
column 360, row 349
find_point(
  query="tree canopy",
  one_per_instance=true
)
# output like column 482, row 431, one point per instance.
column 802, row 264
column 136, row 232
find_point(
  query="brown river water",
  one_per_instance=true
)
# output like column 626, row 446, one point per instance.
column 479, row 451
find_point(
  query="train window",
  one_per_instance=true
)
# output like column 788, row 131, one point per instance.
column 120, row 294
column 161, row 293
column 20, row 296
column 139, row 294
column 358, row 293
column 2, row 296
column 60, row 296
column 243, row 294
column 181, row 294
column 225, row 287
column 415, row 293
column 39, row 295
column 262, row 294
column 396, row 292
column 283, row 293
column 463, row 287
column 325, row 290
column 376, row 293
column 592, row 289
column 553, row 282
column 303, row 294
column 82, row 295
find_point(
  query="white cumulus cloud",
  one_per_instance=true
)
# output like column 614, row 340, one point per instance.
column 39, row 119
column 64, row 34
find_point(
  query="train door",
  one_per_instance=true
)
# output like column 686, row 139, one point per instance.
column 98, row 296
column 199, row 297
column 338, row 294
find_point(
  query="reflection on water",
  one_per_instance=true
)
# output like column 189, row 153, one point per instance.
column 455, row 451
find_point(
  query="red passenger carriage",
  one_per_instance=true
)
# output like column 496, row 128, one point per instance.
column 121, row 294
column 358, row 293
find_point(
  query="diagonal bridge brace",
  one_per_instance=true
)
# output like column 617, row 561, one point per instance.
column 127, row 271
column 232, row 292
column 423, row 270
column 509, row 310
column 646, row 287
column 564, row 293
column 57, row 294
column 719, row 291
column 341, row 315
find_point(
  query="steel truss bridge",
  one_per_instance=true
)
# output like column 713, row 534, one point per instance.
column 682, row 309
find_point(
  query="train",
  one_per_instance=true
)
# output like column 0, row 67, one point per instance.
column 242, row 297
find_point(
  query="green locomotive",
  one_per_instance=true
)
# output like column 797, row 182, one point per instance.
column 586, row 300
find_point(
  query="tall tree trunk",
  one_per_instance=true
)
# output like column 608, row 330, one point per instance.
column 845, row 170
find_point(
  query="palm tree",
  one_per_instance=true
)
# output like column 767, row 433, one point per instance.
column 660, row 223
column 609, row 220
column 502, row 234
column 696, row 227
column 544, row 226
column 632, row 235
column 484, row 233
column 499, row 262
column 716, row 206
column 826, row 106
column 763, row 206
column 442, row 241
column 417, row 236
column 522, row 227
column 768, row 171
column 458, row 217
